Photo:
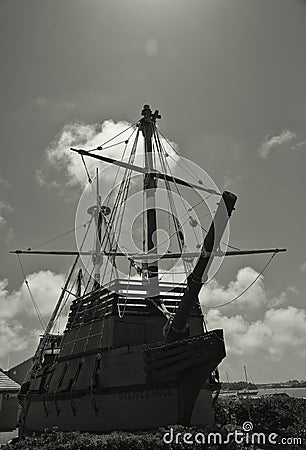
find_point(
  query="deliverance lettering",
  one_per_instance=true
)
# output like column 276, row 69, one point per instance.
column 151, row 393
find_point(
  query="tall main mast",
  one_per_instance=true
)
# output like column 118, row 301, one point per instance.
column 147, row 125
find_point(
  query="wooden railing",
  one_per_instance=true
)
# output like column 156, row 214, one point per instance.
column 121, row 294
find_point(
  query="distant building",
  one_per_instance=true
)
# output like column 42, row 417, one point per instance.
column 8, row 402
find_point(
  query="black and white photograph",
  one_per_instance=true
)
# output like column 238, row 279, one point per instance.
column 152, row 220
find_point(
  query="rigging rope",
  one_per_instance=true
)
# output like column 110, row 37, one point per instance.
column 178, row 163
column 222, row 242
column 201, row 201
column 121, row 313
column 115, row 221
column 117, row 213
column 178, row 228
column 39, row 315
column 164, row 164
column 245, row 290
column 58, row 236
column 116, row 218
column 100, row 147
column 107, row 235
column 126, row 141
column 69, row 293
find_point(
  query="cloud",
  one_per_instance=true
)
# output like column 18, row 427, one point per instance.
column 11, row 339
column 251, row 304
column 5, row 208
column 79, row 135
column 298, row 145
column 4, row 182
column 42, row 181
column 8, row 303
column 303, row 267
column 279, row 332
column 260, row 329
column 46, row 287
column 19, row 325
column 269, row 338
column 59, row 157
column 273, row 142
column 230, row 180
column 6, row 232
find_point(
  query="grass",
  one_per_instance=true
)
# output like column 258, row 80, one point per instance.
column 280, row 414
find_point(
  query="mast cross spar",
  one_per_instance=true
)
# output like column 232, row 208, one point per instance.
column 150, row 257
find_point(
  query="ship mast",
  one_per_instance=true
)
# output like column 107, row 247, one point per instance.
column 147, row 125
column 97, row 257
column 150, row 257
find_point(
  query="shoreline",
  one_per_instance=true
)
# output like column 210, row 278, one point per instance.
column 299, row 392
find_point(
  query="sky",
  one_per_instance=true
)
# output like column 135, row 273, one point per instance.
column 228, row 77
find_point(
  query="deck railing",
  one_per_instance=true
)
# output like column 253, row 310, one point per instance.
column 118, row 295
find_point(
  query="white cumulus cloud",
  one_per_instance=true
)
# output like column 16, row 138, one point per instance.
column 19, row 325
column 279, row 332
column 272, row 142
column 261, row 330
column 11, row 339
column 253, row 301
column 89, row 137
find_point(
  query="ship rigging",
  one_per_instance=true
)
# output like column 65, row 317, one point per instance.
column 135, row 322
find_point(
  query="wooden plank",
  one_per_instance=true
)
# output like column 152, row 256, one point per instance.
column 183, row 365
column 185, row 354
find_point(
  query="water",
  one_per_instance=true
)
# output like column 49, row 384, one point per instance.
column 293, row 392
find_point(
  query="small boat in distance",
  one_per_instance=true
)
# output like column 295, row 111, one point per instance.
column 228, row 391
column 247, row 392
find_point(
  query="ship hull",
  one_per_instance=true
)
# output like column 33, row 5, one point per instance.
column 172, row 390
column 142, row 407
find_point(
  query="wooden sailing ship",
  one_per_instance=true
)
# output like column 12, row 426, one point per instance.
column 152, row 365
